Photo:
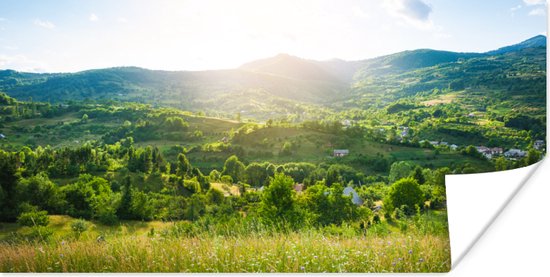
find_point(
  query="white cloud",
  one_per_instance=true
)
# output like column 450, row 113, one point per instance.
column 93, row 17
column 410, row 9
column 414, row 12
column 3, row 19
column 534, row 2
column 44, row 24
column 537, row 12
column 122, row 20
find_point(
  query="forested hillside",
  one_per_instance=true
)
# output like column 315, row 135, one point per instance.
column 285, row 85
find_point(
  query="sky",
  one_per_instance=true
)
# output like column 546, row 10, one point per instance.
column 70, row 36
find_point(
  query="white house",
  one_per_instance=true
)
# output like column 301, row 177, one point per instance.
column 347, row 123
column 539, row 144
column 489, row 152
column 355, row 198
column 515, row 153
column 340, row 152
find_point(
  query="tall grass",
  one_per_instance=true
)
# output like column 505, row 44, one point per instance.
column 233, row 246
column 308, row 251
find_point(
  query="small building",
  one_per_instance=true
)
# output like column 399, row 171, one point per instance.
column 340, row 152
column 444, row 143
column 539, row 144
column 346, row 123
column 224, row 140
column 405, row 131
column 355, row 198
column 298, row 187
column 453, row 147
column 497, row 151
column 485, row 151
column 2, row 136
column 515, row 153
column 434, row 143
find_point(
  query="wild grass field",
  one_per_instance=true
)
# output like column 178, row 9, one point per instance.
column 162, row 247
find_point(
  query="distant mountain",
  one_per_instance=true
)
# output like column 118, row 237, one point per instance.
column 534, row 42
column 297, row 68
column 277, row 85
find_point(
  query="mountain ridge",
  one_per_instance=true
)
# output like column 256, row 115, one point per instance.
column 290, row 79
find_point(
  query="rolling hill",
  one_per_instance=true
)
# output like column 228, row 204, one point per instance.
column 284, row 84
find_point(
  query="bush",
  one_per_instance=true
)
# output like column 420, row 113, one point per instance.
column 183, row 229
column 406, row 195
column 79, row 226
column 33, row 218
column 344, row 230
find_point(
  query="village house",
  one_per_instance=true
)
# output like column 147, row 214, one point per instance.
column 434, row 143
column 515, row 153
column 405, row 131
column 340, row 152
column 2, row 136
column 539, row 144
column 298, row 188
column 349, row 190
column 346, row 123
column 489, row 152
column 355, row 198
column 453, row 147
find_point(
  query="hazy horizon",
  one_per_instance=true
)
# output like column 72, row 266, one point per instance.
column 65, row 36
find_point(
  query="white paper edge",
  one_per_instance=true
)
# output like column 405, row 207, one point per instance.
column 474, row 201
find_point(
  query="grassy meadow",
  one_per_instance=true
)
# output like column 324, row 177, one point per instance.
column 155, row 247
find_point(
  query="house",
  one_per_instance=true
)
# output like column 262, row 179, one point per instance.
column 355, row 198
column 298, row 187
column 340, row 152
column 434, row 143
column 515, row 153
column 405, row 131
column 485, row 151
column 346, row 123
column 539, row 144
column 2, row 136
column 444, row 143
column 453, row 147
column 497, row 151
column 224, row 140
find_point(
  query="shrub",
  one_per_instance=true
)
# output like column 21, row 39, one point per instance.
column 79, row 226
column 183, row 229
column 33, row 218
column 406, row 195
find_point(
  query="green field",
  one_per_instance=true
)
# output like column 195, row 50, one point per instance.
column 133, row 247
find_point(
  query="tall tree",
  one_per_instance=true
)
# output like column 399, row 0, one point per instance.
column 183, row 166
column 234, row 168
column 125, row 207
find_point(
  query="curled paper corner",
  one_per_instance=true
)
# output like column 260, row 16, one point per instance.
column 474, row 202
